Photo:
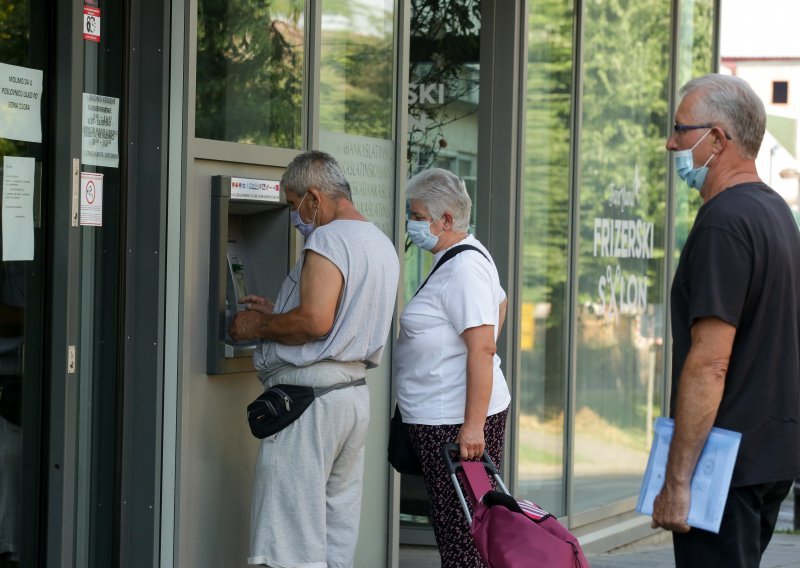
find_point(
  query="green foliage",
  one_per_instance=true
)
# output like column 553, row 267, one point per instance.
column 624, row 126
column 14, row 32
column 250, row 71
column 356, row 75
column 14, row 39
column 444, row 50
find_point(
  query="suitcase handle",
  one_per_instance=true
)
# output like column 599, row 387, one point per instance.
column 451, row 451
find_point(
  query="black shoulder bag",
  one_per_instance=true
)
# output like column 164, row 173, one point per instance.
column 280, row 405
column 401, row 453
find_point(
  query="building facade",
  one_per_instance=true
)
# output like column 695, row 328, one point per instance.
column 131, row 134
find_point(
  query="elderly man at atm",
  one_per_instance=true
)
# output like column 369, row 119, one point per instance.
column 328, row 325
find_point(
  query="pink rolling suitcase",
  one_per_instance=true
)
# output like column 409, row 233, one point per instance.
column 509, row 532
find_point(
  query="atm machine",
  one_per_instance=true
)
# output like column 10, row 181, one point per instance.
column 251, row 244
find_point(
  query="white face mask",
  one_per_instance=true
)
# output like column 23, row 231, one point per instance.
column 305, row 228
column 420, row 234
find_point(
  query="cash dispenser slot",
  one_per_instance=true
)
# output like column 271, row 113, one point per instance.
column 250, row 254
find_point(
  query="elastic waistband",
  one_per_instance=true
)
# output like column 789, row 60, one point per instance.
column 322, row 374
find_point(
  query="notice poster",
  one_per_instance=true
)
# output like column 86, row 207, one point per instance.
column 100, row 131
column 91, row 23
column 18, row 176
column 20, row 103
column 91, row 199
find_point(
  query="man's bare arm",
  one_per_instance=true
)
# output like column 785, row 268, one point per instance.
column 321, row 285
column 700, row 391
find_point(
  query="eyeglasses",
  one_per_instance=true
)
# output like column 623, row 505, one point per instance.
column 679, row 128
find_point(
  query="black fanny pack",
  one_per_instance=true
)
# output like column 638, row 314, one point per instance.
column 280, row 405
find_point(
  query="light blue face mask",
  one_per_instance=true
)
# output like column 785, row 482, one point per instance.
column 305, row 228
column 684, row 166
column 420, row 234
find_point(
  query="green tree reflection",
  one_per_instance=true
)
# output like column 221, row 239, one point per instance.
column 250, row 71
column 14, row 41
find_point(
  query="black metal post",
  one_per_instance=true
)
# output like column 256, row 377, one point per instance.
column 797, row 504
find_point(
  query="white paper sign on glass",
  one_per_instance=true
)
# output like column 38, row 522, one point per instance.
column 711, row 479
column 20, row 103
column 18, row 176
column 91, row 199
column 100, row 131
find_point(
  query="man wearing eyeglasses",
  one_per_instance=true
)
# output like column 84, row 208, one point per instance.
column 735, row 326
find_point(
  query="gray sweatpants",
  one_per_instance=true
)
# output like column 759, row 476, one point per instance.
column 307, row 487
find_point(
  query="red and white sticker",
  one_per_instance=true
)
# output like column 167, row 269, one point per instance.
column 91, row 23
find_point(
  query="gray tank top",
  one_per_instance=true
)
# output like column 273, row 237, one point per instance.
column 368, row 262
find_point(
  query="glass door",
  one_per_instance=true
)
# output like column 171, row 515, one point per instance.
column 24, row 151
column 60, row 280
column 102, row 276
column 443, row 104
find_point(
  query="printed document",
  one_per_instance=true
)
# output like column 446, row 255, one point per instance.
column 711, row 479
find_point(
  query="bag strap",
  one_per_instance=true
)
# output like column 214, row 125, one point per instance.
column 477, row 480
column 325, row 390
column 447, row 256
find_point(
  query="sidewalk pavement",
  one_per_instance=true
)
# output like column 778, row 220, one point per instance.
column 653, row 552
column 783, row 550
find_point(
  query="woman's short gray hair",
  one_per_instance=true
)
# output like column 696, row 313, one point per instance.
column 315, row 169
column 731, row 103
column 442, row 191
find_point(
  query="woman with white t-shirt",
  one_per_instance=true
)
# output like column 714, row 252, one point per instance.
column 449, row 384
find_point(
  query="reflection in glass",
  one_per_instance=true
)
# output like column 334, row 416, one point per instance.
column 357, row 71
column 356, row 101
column 543, row 311
column 620, row 304
column 15, row 49
column 12, row 306
column 442, row 101
column 250, row 71
column 695, row 58
column 443, row 97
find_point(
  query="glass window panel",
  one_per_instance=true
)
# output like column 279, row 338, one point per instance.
column 443, row 77
column 695, row 58
column 357, row 71
column 356, row 101
column 250, row 71
column 545, row 226
column 620, row 307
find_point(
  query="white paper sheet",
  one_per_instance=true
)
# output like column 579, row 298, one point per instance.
column 18, row 180
column 20, row 103
column 711, row 479
column 100, row 134
column 91, row 199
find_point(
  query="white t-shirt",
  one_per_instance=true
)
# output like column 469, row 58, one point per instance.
column 368, row 262
column 430, row 357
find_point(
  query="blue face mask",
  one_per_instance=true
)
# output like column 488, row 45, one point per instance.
column 420, row 234
column 684, row 166
column 305, row 228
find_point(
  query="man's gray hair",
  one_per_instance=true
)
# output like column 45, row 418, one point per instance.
column 315, row 169
column 440, row 190
column 731, row 103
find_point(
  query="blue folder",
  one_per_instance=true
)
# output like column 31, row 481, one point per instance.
column 710, row 481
